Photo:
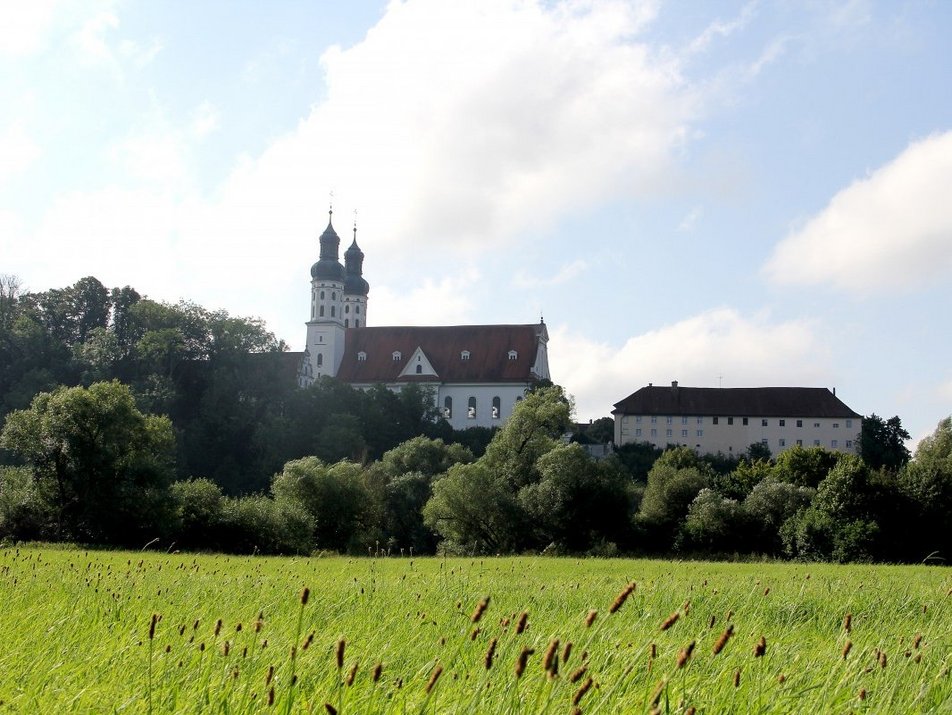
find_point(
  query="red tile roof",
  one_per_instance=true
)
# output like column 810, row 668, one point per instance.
column 488, row 345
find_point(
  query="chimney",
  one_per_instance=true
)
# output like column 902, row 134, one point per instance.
column 834, row 392
column 674, row 384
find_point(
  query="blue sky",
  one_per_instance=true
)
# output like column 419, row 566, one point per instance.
column 734, row 193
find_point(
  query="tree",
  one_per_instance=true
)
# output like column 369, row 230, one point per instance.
column 882, row 443
column 578, row 502
column 531, row 431
column 102, row 465
column 673, row 482
column 806, row 467
column 713, row 523
column 333, row 496
column 927, row 483
column 768, row 506
column 474, row 509
column 426, row 456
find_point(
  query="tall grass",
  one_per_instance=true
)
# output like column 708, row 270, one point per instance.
column 100, row 631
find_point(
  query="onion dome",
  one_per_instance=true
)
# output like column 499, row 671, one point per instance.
column 328, row 268
column 354, row 283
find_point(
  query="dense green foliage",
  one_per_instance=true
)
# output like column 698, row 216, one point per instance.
column 233, row 635
column 265, row 467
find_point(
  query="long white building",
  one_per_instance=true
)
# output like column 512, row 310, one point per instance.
column 477, row 373
column 728, row 420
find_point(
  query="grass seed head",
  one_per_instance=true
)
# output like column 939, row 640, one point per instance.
column 550, row 662
column 340, row 653
column 847, row 647
column 670, row 620
column 580, row 693
column 480, row 609
column 490, row 652
column 522, row 660
column 722, row 641
column 848, row 622
column 331, row 710
column 622, row 597
column 737, row 678
column 590, row 618
column 577, row 674
column 862, row 694
column 916, row 641
column 376, row 672
column 434, row 676
column 521, row 623
column 351, row 675
column 656, row 695
column 760, row 648
column 685, row 655
column 566, row 651
column 155, row 619
column 305, row 595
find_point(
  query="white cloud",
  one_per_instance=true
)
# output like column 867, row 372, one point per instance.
column 566, row 273
column 443, row 302
column 722, row 29
column 892, row 229
column 450, row 144
column 25, row 26
column 90, row 40
column 205, row 120
column 17, row 151
column 715, row 348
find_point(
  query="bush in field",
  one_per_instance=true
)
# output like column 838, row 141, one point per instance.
column 24, row 514
column 768, row 506
column 257, row 524
column 806, row 467
column 475, row 511
column 100, row 465
column 714, row 523
column 577, row 502
column 838, row 524
column 926, row 482
column 673, row 482
column 333, row 496
column 198, row 505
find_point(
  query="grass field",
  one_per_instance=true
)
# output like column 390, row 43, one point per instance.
column 232, row 635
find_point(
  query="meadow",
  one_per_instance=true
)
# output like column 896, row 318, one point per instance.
column 94, row 631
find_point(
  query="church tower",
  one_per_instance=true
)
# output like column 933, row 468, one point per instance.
column 325, row 329
column 355, row 287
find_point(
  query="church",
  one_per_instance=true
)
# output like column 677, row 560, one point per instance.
column 477, row 373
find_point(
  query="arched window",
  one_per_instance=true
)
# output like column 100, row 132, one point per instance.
column 346, row 322
column 333, row 311
column 320, row 359
column 513, row 355
column 357, row 323
column 397, row 357
column 419, row 369
column 322, row 295
column 519, row 398
column 464, row 355
column 347, row 308
column 334, row 295
column 448, row 407
column 322, row 311
column 357, row 309
column 497, row 404
column 471, row 410
column 361, row 356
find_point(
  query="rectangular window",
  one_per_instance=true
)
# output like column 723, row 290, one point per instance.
column 638, row 432
column 670, row 420
column 745, row 422
column 700, row 433
column 684, row 433
column 638, row 419
column 654, row 419
column 714, row 420
column 782, row 442
column 799, row 442
column 816, row 443
column 654, row 433
column 849, row 424
column 667, row 433
column 684, row 420
column 764, row 441
column 816, row 425
column 700, row 420
column 849, row 444
column 833, row 444
column 763, row 423
column 799, row 423
column 836, row 425
column 783, row 423
column 730, row 420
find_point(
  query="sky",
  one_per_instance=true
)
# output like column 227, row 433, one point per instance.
column 727, row 194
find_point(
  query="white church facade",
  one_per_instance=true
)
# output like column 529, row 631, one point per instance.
column 476, row 373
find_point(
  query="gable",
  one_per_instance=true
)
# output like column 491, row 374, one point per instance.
column 459, row 354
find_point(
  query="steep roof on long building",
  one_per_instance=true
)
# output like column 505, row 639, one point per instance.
column 735, row 402
column 488, row 348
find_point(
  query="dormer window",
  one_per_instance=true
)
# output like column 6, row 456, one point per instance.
column 361, row 356
column 513, row 355
column 397, row 357
column 464, row 355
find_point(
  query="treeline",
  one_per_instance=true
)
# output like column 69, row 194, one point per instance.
column 226, row 383
column 97, row 470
